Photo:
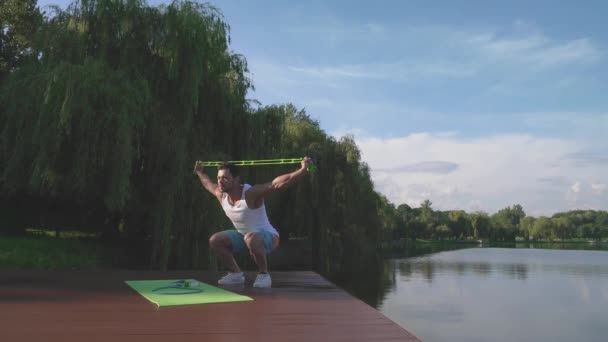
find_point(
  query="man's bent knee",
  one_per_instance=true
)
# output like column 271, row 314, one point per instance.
column 254, row 241
column 219, row 241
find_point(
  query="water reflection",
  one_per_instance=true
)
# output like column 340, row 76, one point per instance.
column 457, row 293
column 370, row 278
column 427, row 268
column 500, row 294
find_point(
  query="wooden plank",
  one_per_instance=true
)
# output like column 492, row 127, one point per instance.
column 98, row 306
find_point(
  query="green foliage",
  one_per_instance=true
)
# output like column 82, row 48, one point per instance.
column 19, row 21
column 480, row 223
column 405, row 217
column 542, row 228
column 442, row 231
column 526, row 226
column 508, row 224
column 459, row 224
column 110, row 116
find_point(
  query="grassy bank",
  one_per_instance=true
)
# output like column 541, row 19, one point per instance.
column 46, row 253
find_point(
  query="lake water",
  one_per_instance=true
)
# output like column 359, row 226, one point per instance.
column 499, row 294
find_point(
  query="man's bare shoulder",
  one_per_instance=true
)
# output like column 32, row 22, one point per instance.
column 256, row 193
column 219, row 195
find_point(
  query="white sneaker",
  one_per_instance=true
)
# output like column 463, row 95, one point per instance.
column 232, row 278
column 262, row 280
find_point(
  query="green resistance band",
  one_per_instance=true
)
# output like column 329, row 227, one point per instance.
column 312, row 168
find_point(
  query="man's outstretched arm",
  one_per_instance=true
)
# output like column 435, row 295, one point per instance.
column 208, row 184
column 255, row 195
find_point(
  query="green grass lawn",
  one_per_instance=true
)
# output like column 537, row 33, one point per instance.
column 46, row 253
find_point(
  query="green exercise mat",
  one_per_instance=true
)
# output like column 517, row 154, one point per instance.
column 183, row 292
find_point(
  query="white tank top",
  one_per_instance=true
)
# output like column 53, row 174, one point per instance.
column 244, row 219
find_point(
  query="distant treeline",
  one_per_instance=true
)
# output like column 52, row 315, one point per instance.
column 508, row 224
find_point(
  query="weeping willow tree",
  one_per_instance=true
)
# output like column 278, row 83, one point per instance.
column 103, row 127
column 337, row 208
column 111, row 115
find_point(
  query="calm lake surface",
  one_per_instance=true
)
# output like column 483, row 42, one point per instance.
column 499, row 294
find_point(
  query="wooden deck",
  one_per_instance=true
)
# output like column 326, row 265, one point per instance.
column 98, row 306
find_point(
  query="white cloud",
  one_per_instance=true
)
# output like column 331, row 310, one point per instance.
column 411, row 53
column 534, row 50
column 389, row 71
column 599, row 188
column 433, row 166
column 576, row 187
column 349, row 71
column 486, row 173
column 335, row 32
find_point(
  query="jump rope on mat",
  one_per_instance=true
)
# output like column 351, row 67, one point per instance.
column 186, row 287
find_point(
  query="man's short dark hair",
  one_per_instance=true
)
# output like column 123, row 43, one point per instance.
column 234, row 170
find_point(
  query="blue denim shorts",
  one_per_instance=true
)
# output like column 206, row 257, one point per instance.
column 237, row 239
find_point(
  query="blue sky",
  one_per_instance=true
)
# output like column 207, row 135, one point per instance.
column 472, row 104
